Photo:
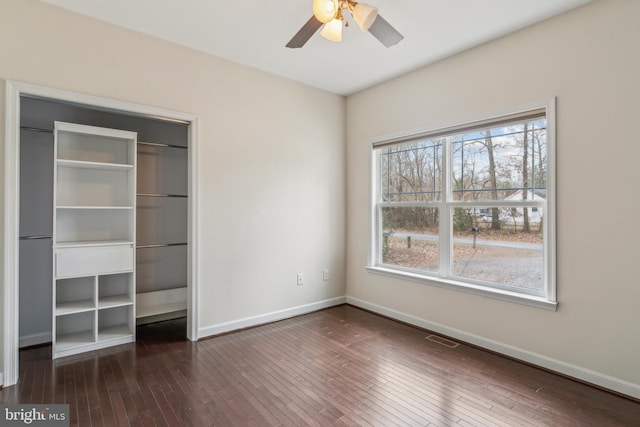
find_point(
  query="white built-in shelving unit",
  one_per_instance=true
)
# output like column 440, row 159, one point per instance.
column 93, row 238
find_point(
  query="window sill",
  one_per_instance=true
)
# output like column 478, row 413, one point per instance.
column 530, row 300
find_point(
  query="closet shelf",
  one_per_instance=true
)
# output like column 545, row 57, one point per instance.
column 73, row 307
column 158, row 144
column 115, row 332
column 96, row 207
column 35, row 237
column 114, row 301
column 66, row 342
column 160, row 245
column 160, row 302
column 83, row 243
column 34, row 129
column 81, row 164
column 160, row 195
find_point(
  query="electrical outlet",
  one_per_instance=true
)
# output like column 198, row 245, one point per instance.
column 300, row 279
column 325, row 274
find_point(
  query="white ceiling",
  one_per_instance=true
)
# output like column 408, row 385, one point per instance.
column 255, row 32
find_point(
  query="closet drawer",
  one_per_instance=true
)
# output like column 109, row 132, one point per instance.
column 84, row 261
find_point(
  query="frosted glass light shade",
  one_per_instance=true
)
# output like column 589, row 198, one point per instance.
column 325, row 10
column 332, row 30
column 364, row 15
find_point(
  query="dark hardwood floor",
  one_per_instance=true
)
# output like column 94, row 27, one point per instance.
column 340, row 366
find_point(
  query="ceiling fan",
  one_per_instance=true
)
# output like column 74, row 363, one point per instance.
column 330, row 13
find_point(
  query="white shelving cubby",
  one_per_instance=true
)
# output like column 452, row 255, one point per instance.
column 93, row 238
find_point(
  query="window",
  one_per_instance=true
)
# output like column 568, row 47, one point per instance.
column 470, row 206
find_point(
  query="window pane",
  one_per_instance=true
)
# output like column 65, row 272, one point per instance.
column 503, row 255
column 500, row 163
column 490, row 178
column 410, row 238
column 411, row 172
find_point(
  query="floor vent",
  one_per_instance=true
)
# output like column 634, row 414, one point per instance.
column 443, row 341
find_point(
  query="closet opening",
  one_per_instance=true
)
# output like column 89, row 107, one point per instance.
column 163, row 210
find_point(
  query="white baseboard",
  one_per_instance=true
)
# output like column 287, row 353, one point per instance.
column 34, row 339
column 1, row 379
column 583, row 374
column 268, row 317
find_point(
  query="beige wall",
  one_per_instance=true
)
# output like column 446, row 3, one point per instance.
column 272, row 152
column 589, row 60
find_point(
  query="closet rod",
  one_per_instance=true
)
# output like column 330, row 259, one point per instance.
column 35, row 237
column 160, row 195
column 32, row 129
column 160, row 246
column 157, row 144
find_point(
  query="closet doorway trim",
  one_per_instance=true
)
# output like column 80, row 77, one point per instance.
column 13, row 91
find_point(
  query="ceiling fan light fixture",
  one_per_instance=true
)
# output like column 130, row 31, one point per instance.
column 332, row 30
column 329, row 15
column 325, row 10
column 364, row 15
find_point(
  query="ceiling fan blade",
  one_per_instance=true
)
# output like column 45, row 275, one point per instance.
column 384, row 32
column 305, row 33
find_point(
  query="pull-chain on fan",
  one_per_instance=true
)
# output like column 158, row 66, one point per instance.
column 330, row 13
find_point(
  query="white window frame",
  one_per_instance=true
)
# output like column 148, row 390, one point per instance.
column 375, row 265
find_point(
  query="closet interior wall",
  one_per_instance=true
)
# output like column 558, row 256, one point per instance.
column 161, row 212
